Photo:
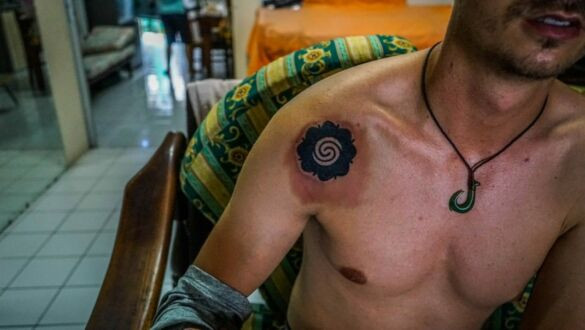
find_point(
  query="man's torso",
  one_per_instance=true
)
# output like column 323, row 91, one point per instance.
column 382, row 249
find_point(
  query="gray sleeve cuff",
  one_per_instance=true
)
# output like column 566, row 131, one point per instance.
column 202, row 301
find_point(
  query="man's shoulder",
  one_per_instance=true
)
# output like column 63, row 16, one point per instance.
column 567, row 140
column 568, row 119
column 383, row 83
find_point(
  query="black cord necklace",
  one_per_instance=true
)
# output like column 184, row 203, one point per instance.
column 472, row 184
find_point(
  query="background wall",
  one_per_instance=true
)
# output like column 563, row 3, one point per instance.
column 67, row 79
column 243, row 12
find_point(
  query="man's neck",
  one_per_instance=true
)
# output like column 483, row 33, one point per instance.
column 479, row 107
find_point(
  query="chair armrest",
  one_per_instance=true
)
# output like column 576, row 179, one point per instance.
column 130, row 293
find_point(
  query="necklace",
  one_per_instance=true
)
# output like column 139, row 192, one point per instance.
column 472, row 184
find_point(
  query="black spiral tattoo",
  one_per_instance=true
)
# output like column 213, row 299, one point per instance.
column 327, row 151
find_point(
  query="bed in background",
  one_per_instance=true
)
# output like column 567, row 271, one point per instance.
column 277, row 32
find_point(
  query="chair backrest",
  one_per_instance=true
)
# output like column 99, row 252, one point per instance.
column 202, row 95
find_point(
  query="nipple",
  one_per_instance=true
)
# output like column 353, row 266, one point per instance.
column 353, row 275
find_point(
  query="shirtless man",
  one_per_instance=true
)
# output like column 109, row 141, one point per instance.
column 384, row 248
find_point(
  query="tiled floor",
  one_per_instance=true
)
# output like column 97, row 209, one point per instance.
column 139, row 111
column 24, row 175
column 54, row 256
column 32, row 123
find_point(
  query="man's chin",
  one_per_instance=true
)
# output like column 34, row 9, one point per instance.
column 534, row 70
column 537, row 64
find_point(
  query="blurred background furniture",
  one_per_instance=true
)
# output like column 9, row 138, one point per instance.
column 277, row 32
column 210, row 23
column 31, row 40
column 108, row 49
column 121, row 13
column 110, row 40
column 201, row 96
column 20, row 44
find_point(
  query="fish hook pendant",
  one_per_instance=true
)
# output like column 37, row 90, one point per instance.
column 467, row 205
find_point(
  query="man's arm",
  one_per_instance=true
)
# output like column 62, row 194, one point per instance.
column 262, row 221
column 264, row 217
column 558, row 300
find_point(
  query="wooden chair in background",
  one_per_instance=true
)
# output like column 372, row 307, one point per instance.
column 211, row 31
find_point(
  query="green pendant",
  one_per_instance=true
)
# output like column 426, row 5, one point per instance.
column 467, row 205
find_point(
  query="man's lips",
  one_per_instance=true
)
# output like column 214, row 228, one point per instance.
column 556, row 26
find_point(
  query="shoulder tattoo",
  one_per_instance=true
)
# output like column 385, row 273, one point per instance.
column 326, row 151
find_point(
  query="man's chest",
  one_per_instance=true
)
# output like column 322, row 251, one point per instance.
column 403, row 236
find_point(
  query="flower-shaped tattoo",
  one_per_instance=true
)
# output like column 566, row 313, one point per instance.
column 326, row 151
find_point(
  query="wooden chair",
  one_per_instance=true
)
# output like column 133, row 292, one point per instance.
column 152, row 201
column 129, row 296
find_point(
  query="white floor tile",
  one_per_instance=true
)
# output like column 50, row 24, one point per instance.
column 15, row 202
column 39, row 221
column 101, row 154
column 71, row 305
column 45, row 272
column 73, row 184
column 7, row 218
column 113, row 221
column 109, row 184
column 21, row 245
column 136, row 156
column 86, row 171
column 85, row 220
column 57, row 202
column 24, row 307
column 124, row 170
column 103, row 245
column 67, row 244
column 26, row 185
column 8, row 155
column 101, row 201
column 44, row 170
column 10, row 267
column 4, row 183
column 28, row 158
column 80, row 326
column 12, row 173
column 90, row 271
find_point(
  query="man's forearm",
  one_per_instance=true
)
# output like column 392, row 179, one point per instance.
column 201, row 301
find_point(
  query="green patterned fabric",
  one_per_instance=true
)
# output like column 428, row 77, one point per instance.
column 509, row 316
column 220, row 145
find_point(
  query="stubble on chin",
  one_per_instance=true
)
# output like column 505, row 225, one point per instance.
column 490, row 46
